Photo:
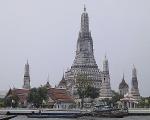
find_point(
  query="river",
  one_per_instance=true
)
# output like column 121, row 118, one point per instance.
column 86, row 118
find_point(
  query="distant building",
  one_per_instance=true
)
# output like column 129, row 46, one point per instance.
column 57, row 98
column 131, row 99
column 20, row 94
column 134, row 86
column 60, row 99
column 123, row 87
column 128, row 101
column 26, row 81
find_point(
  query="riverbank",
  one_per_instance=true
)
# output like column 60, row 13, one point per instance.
column 21, row 111
column 87, row 118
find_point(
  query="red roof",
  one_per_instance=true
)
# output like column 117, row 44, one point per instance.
column 60, row 95
column 21, row 93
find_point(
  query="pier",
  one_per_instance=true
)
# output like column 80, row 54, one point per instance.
column 139, row 111
column 19, row 111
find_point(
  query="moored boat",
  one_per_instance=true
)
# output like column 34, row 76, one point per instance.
column 109, row 112
column 52, row 116
column 55, row 114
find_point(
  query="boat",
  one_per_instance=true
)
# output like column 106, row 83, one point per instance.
column 107, row 111
column 52, row 116
column 55, row 114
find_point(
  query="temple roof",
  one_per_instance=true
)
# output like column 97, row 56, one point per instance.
column 60, row 95
column 48, row 84
column 62, row 82
column 21, row 93
column 123, row 84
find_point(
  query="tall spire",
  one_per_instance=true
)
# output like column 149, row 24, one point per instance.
column 84, row 61
column 27, row 62
column 105, row 65
column 84, row 53
column 123, row 78
column 134, row 89
column 27, row 69
column 84, row 21
column 47, row 83
column 63, row 77
column 26, row 84
column 134, row 74
column 84, row 8
column 134, row 78
column 105, row 90
column 48, row 78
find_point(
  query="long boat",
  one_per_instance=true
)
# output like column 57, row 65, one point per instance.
column 56, row 114
column 52, row 116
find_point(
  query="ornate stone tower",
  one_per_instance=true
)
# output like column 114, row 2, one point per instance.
column 26, row 84
column 123, row 87
column 105, row 90
column 84, row 60
column 134, row 85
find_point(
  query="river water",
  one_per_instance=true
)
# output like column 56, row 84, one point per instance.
column 86, row 118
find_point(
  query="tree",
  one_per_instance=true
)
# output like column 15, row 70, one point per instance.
column 92, row 92
column 37, row 95
column 1, row 102
column 11, row 100
column 82, row 83
column 144, row 102
column 115, row 97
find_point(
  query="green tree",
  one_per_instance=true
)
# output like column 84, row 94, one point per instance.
column 2, row 102
column 115, row 97
column 92, row 92
column 144, row 102
column 11, row 101
column 82, row 83
column 37, row 95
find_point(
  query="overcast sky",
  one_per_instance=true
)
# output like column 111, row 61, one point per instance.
column 45, row 32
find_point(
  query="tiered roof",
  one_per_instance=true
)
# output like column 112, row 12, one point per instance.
column 60, row 95
column 123, row 84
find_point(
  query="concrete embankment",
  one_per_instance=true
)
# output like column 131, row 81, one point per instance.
column 17, row 111
column 139, row 111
